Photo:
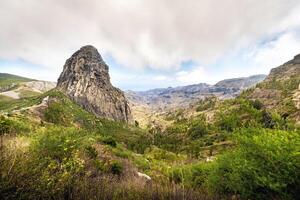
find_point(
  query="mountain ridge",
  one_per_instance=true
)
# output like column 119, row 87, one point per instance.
column 183, row 96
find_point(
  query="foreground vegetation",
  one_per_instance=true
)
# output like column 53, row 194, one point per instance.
column 244, row 152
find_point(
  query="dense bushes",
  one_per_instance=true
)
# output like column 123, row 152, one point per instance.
column 14, row 126
column 265, row 164
column 238, row 113
column 77, row 151
column 197, row 129
column 55, row 113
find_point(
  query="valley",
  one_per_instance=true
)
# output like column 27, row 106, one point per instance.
column 85, row 139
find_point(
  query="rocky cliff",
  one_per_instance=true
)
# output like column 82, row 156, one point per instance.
column 85, row 79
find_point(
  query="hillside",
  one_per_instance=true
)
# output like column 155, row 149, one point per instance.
column 150, row 107
column 55, row 148
column 8, row 81
column 15, row 87
column 280, row 90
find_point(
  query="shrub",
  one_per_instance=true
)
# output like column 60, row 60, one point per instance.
column 15, row 126
column 257, row 104
column 57, row 143
column 264, row 165
column 5, row 126
column 116, row 168
column 197, row 130
column 238, row 113
column 55, row 113
column 91, row 151
column 109, row 141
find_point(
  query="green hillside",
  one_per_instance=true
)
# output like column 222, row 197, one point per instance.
column 242, row 148
column 61, row 151
column 278, row 91
column 7, row 80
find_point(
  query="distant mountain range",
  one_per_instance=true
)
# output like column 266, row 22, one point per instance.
column 166, row 98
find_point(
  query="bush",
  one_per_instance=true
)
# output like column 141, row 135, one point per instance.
column 257, row 104
column 55, row 113
column 239, row 113
column 116, row 168
column 197, row 130
column 91, row 152
column 265, row 165
column 5, row 126
column 109, row 141
column 15, row 126
column 57, row 142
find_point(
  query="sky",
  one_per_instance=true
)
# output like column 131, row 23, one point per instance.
column 150, row 44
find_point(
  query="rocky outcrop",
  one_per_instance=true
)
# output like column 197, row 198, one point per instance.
column 85, row 79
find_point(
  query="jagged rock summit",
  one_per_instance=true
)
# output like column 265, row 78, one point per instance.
column 85, row 79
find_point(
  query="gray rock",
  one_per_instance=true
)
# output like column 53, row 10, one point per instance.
column 85, row 79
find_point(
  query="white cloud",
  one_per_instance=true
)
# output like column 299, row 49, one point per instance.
column 194, row 76
column 156, row 34
column 277, row 52
column 160, row 78
column 159, row 34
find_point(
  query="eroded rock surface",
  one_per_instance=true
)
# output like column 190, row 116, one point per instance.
column 85, row 79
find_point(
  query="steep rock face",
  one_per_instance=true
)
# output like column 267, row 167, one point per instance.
column 85, row 79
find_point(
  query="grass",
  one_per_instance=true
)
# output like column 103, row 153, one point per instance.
column 24, row 93
column 8, row 79
column 16, row 104
column 69, row 151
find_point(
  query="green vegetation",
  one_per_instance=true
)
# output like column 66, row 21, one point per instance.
column 205, row 104
column 9, row 80
column 242, row 150
column 265, row 164
column 27, row 93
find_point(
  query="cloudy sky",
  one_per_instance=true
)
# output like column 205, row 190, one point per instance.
column 150, row 43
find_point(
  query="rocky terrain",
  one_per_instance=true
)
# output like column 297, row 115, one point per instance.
column 85, row 79
column 170, row 98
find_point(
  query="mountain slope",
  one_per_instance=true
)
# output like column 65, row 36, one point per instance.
column 54, row 147
column 13, row 89
column 280, row 90
column 8, row 81
column 166, row 98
